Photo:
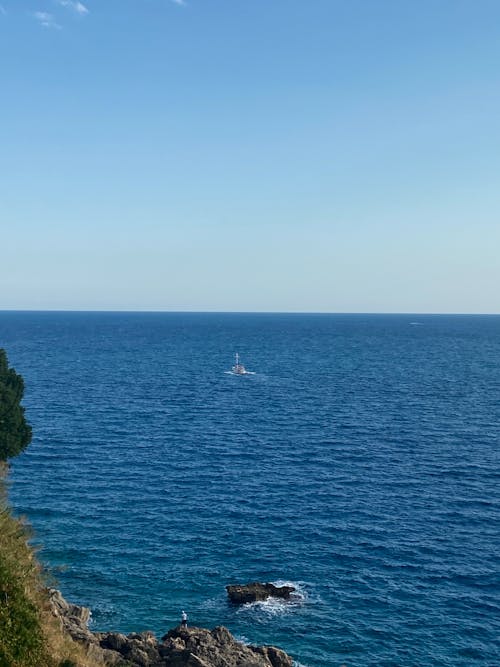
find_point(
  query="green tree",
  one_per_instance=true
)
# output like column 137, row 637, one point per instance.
column 15, row 432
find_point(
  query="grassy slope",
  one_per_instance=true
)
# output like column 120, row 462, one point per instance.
column 29, row 635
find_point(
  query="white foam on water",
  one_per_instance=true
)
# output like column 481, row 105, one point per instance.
column 300, row 594
column 212, row 603
column 278, row 606
column 240, row 374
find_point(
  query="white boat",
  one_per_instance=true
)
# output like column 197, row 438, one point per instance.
column 238, row 368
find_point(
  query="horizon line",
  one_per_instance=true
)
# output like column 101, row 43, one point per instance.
column 240, row 312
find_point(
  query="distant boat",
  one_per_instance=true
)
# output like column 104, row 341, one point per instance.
column 238, row 368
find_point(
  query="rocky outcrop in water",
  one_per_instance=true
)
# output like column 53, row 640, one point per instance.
column 255, row 592
column 180, row 647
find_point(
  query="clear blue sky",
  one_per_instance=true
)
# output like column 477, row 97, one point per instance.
column 261, row 155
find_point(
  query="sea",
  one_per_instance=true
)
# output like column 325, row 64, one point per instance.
column 359, row 462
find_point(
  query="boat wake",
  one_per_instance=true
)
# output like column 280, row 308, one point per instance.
column 245, row 373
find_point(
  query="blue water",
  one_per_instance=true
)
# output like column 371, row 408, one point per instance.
column 360, row 462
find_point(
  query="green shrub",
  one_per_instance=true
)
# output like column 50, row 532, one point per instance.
column 15, row 432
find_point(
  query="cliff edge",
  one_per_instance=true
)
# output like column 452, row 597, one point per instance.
column 180, row 647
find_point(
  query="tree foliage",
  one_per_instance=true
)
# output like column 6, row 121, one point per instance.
column 15, row 432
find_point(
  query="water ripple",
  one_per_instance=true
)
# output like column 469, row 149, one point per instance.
column 361, row 461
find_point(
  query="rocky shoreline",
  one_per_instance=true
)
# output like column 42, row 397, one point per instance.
column 180, row 647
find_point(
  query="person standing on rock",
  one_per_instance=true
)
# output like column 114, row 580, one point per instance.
column 184, row 619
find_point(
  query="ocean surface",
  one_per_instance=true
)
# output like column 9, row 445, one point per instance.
column 360, row 463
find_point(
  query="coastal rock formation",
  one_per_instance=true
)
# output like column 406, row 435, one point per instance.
column 180, row 647
column 256, row 591
column 73, row 619
column 198, row 647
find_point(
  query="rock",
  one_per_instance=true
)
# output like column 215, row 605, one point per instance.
column 139, row 657
column 98, row 655
column 114, row 641
column 275, row 656
column 73, row 618
column 136, row 648
column 180, row 647
column 65, row 609
column 256, row 591
column 222, row 635
column 217, row 648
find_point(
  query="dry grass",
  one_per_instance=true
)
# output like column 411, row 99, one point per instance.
column 61, row 648
column 30, row 636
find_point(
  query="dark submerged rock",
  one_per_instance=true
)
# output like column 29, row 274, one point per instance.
column 256, row 592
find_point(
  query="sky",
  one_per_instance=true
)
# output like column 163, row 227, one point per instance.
column 250, row 155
